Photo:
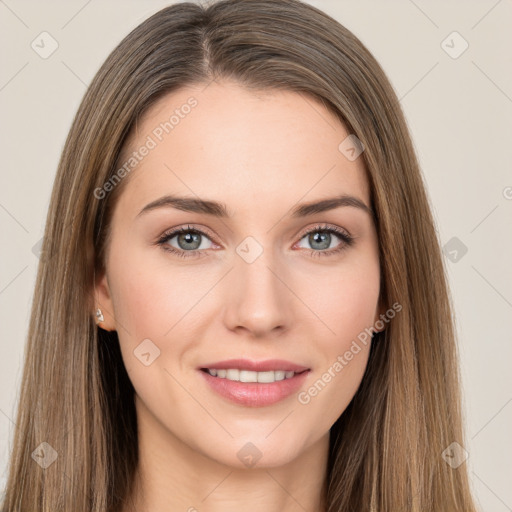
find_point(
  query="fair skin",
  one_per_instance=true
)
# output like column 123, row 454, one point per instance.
column 261, row 155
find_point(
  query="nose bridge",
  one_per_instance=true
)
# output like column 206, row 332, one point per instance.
column 258, row 300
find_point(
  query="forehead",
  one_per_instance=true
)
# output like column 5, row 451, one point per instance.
column 246, row 148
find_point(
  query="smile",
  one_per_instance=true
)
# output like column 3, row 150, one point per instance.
column 251, row 388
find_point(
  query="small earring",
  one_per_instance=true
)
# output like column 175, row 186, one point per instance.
column 99, row 316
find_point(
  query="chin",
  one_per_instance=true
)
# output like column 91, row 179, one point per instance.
column 258, row 453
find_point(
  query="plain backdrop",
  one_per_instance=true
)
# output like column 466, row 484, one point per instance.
column 458, row 104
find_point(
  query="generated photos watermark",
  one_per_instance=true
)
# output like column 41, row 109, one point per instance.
column 152, row 140
column 304, row 397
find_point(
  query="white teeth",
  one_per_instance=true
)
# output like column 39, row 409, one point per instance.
column 251, row 376
column 248, row 376
column 267, row 376
column 280, row 374
column 233, row 374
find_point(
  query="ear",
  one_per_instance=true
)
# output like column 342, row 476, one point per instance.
column 103, row 301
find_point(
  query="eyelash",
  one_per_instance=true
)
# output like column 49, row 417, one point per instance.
column 347, row 241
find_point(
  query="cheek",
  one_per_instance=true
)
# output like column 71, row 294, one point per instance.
column 345, row 300
column 348, row 307
column 357, row 299
column 343, row 362
column 152, row 306
column 160, row 302
column 151, row 298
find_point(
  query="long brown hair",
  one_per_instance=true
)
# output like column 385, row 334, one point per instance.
column 386, row 448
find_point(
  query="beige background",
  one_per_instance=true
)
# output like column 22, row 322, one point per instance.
column 459, row 112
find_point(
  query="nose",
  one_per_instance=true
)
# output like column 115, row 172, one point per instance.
column 257, row 299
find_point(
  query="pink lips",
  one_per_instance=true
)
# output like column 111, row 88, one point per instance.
column 255, row 394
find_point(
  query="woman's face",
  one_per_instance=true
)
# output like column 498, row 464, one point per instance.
column 250, row 283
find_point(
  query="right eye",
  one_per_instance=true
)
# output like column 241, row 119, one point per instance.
column 188, row 242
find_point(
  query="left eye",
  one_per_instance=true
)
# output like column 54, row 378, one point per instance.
column 320, row 238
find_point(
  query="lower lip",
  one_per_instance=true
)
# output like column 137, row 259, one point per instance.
column 255, row 394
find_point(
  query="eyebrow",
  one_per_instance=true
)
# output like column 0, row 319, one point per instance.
column 217, row 209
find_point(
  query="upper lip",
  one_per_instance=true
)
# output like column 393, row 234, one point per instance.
column 256, row 366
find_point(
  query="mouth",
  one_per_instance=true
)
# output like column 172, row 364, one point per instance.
column 254, row 384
